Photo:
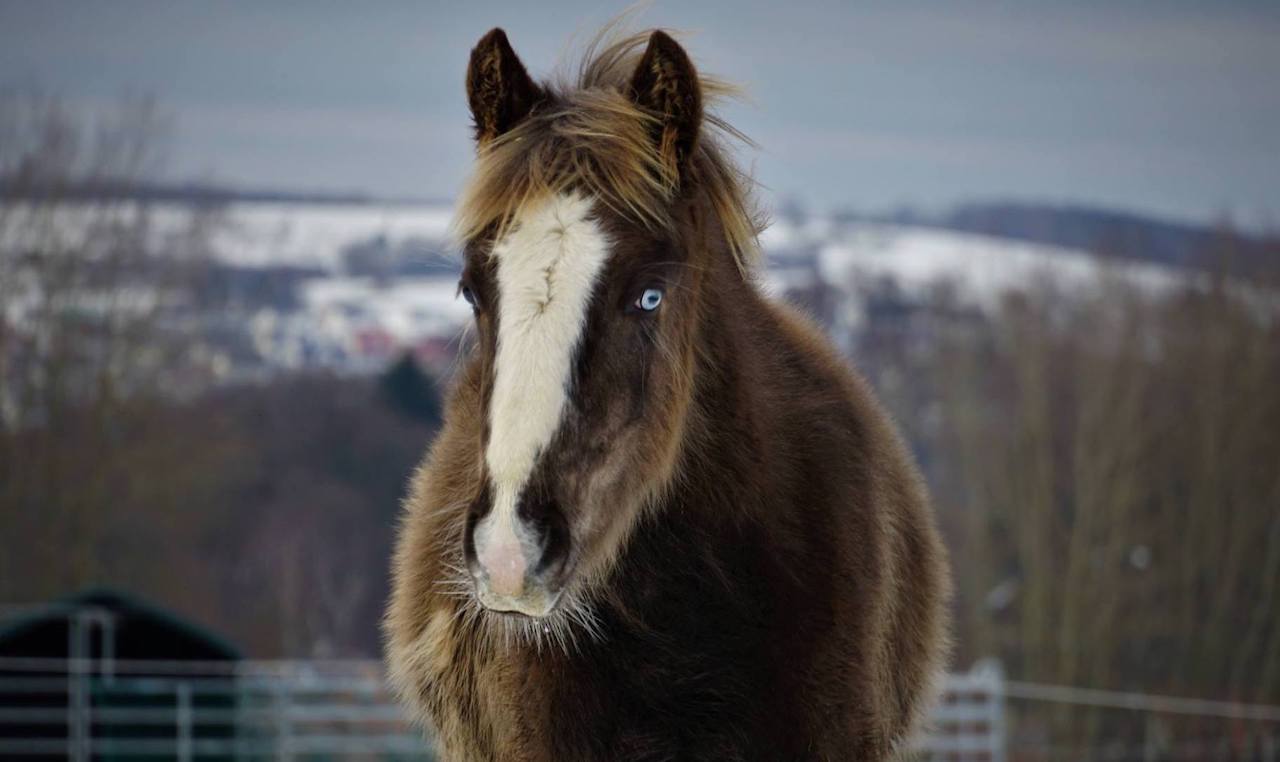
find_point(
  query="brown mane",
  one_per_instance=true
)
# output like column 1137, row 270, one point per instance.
column 588, row 135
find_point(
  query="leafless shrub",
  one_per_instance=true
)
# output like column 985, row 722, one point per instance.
column 86, row 304
column 1110, row 474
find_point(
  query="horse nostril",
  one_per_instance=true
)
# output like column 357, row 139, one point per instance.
column 478, row 509
column 554, row 545
column 469, row 544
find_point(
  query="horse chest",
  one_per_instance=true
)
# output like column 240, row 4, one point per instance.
column 607, row 703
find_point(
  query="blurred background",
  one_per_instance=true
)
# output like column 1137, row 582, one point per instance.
column 1049, row 234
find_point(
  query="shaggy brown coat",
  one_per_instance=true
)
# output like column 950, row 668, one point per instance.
column 776, row 590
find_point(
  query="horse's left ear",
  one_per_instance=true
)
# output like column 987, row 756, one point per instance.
column 665, row 84
column 499, row 89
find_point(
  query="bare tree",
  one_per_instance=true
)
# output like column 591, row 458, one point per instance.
column 1115, row 454
column 84, row 299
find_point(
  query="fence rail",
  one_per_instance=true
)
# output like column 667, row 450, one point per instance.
column 84, row 709
column 101, row 709
column 89, row 709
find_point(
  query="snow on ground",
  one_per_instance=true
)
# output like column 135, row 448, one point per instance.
column 980, row 267
column 314, row 234
column 344, row 317
column 360, row 323
column 800, row 254
column 406, row 308
column 256, row 234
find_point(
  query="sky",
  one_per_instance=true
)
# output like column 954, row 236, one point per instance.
column 1169, row 108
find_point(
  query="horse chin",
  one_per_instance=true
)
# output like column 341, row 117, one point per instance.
column 535, row 604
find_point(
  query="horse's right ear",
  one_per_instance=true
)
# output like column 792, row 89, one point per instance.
column 499, row 89
column 666, row 86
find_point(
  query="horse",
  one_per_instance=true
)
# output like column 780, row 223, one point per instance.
column 663, row 518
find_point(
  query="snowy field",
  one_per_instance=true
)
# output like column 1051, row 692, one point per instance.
column 356, row 316
column 980, row 268
column 314, row 235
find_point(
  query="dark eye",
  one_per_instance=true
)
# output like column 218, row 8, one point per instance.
column 468, row 294
column 649, row 300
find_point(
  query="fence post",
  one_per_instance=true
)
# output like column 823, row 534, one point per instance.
column 989, row 673
column 999, row 735
column 184, row 722
column 80, row 725
column 284, row 726
column 243, row 696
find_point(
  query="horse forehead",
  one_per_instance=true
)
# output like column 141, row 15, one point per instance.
column 560, row 226
column 548, row 267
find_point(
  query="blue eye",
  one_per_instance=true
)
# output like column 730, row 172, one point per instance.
column 649, row 300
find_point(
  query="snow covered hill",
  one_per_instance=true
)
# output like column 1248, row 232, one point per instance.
column 368, row 281
column 348, row 317
column 979, row 268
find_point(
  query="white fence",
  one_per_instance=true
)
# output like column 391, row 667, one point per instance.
column 967, row 723
column 82, row 710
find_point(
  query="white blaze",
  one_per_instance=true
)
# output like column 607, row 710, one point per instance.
column 547, row 269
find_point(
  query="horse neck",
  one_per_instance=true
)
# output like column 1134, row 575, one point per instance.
column 728, row 428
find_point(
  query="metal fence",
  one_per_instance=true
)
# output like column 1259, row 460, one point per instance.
column 108, row 708
column 967, row 722
column 82, row 710
column 189, row 710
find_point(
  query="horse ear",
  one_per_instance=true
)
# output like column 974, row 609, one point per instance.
column 665, row 84
column 499, row 89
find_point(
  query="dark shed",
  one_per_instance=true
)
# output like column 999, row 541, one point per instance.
column 104, row 675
